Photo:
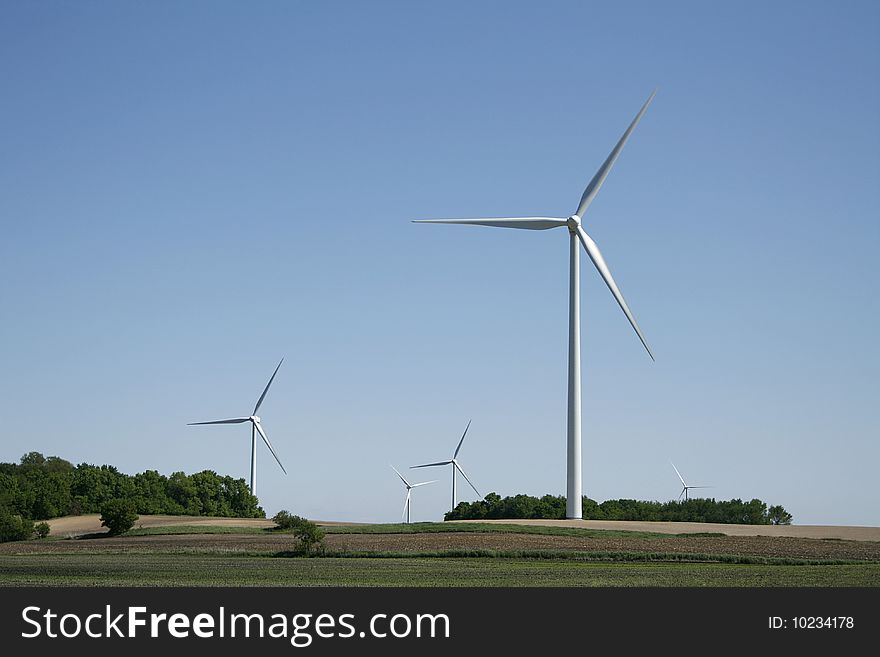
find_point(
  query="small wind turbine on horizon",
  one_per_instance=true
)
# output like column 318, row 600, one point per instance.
column 685, row 487
column 407, row 504
column 256, row 427
column 576, row 232
column 455, row 466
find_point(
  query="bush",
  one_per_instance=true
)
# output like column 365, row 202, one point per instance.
column 286, row 521
column 42, row 530
column 310, row 536
column 118, row 516
column 14, row 527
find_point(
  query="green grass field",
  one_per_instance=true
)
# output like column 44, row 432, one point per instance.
column 445, row 555
column 210, row 570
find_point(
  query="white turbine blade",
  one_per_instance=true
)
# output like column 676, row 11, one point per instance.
column 528, row 223
column 405, row 502
column 430, row 465
column 424, row 483
column 263, row 396
column 701, row 486
column 681, row 493
column 596, row 256
column 681, row 479
column 596, row 183
column 235, row 420
column 455, row 463
column 454, row 456
column 269, row 445
column 405, row 482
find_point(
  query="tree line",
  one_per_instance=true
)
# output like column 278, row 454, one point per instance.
column 38, row 488
column 734, row 511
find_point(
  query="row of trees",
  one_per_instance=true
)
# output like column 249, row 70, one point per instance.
column 733, row 511
column 38, row 488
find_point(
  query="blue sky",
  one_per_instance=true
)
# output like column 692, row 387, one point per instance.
column 191, row 191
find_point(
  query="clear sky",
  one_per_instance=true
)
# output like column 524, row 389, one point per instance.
column 189, row 191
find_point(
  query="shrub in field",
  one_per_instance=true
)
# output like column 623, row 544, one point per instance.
column 287, row 521
column 14, row 527
column 118, row 516
column 42, row 530
column 310, row 536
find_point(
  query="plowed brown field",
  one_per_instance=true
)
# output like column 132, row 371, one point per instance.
column 763, row 546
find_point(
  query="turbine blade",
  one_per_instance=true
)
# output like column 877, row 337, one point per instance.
column 263, row 396
column 430, row 465
column 424, row 483
column 405, row 503
column 454, row 456
column 596, row 183
column 235, row 420
column 681, row 493
column 528, row 223
column 701, row 486
column 596, row 256
column 680, row 478
column 269, row 445
column 405, row 482
column 466, row 478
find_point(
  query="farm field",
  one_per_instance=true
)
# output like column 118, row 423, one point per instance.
column 86, row 524
column 217, row 552
column 215, row 570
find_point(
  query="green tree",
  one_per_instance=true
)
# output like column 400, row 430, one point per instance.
column 42, row 530
column 286, row 521
column 778, row 515
column 118, row 516
column 33, row 459
column 310, row 536
column 14, row 527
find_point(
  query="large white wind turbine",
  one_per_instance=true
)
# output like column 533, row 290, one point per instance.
column 256, row 427
column 576, row 232
column 407, row 504
column 685, row 488
column 455, row 466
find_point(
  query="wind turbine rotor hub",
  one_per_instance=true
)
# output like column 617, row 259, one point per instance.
column 255, row 418
column 573, row 222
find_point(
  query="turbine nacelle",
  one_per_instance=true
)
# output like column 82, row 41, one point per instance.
column 573, row 222
column 255, row 419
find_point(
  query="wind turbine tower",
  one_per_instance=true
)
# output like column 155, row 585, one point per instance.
column 576, row 232
column 256, row 428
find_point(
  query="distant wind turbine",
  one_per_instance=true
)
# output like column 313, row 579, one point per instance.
column 455, row 466
column 407, row 504
column 685, row 487
column 256, row 427
column 576, row 232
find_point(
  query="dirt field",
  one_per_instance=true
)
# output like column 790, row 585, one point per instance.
column 90, row 524
column 788, row 531
column 761, row 546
